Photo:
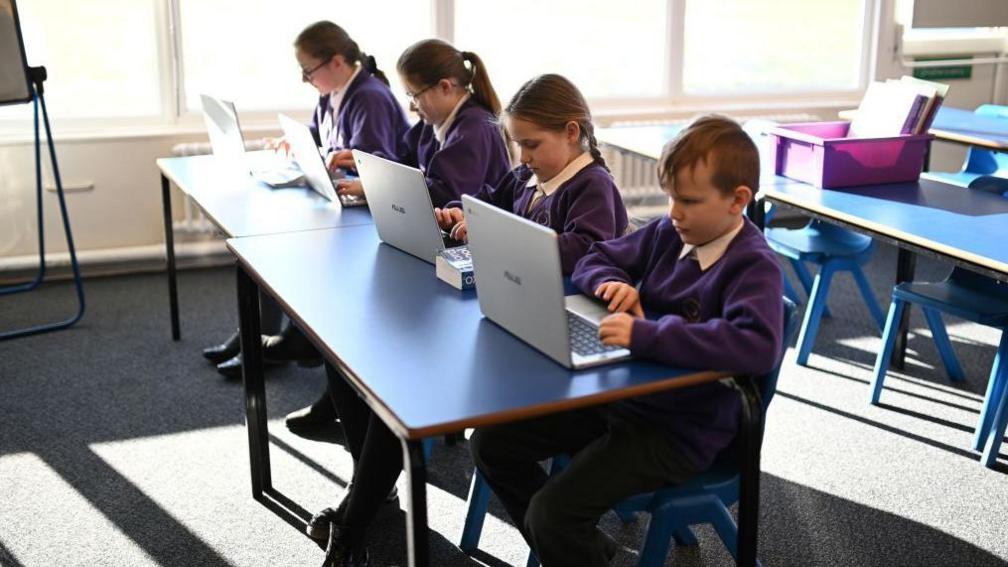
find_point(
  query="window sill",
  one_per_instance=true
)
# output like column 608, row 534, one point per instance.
column 605, row 115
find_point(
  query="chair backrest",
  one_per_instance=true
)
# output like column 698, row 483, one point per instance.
column 988, row 162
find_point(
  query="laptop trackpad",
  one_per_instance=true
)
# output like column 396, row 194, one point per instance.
column 586, row 307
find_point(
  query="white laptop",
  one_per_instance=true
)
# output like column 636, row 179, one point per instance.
column 401, row 206
column 309, row 158
column 519, row 282
column 228, row 145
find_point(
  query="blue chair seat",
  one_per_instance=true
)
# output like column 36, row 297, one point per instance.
column 959, row 300
column 816, row 242
column 834, row 249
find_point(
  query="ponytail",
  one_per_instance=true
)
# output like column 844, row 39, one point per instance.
column 482, row 90
column 593, row 148
column 428, row 61
column 324, row 40
column 551, row 102
column 369, row 63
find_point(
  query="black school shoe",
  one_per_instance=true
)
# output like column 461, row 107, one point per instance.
column 219, row 353
column 320, row 417
column 232, row 367
column 320, row 526
column 339, row 553
column 290, row 345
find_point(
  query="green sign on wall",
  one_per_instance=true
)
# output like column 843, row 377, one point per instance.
column 943, row 73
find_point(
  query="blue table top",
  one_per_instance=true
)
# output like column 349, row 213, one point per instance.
column 960, row 125
column 648, row 141
column 242, row 206
column 965, row 225
column 418, row 349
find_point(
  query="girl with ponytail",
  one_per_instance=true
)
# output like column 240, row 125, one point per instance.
column 562, row 182
column 456, row 143
column 356, row 108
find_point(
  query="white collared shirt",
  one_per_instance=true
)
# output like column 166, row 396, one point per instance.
column 441, row 131
column 709, row 253
column 335, row 102
column 548, row 187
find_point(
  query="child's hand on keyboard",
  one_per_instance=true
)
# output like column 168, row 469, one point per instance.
column 616, row 330
column 621, row 297
column 350, row 187
column 340, row 159
column 451, row 220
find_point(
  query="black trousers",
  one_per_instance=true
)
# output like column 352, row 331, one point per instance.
column 612, row 458
column 377, row 456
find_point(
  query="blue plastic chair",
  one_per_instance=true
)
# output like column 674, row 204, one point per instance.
column 705, row 499
column 979, row 161
column 833, row 249
column 966, row 295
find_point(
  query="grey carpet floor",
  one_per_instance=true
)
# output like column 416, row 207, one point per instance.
column 121, row 447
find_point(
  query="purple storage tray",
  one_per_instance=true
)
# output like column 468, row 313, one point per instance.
column 820, row 153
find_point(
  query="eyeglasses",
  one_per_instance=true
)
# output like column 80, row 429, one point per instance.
column 307, row 73
column 412, row 97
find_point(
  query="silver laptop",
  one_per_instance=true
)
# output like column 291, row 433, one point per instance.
column 400, row 206
column 519, row 283
column 228, row 145
column 307, row 154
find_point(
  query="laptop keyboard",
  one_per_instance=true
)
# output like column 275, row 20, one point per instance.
column 584, row 337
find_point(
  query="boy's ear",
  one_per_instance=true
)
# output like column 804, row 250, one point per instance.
column 741, row 197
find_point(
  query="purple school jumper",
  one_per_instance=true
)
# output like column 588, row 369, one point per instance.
column 370, row 119
column 586, row 208
column 473, row 154
column 727, row 318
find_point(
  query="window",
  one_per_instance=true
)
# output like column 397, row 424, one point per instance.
column 127, row 62
column 608, row 49
column 102, row 57
column 250, row 59
column 762, row 46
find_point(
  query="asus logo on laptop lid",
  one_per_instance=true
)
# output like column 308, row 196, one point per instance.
column 512, row 278
column 398, row 209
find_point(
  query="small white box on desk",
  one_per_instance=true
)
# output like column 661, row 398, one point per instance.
column 454, row 265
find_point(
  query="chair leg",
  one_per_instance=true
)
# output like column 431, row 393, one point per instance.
column 941, row 340
column 998, row 425
column 997, row 384
column 685, row 537
column 656, row 541
column 726, row 529
column 479, row 498
column 805, row 278
column 885, row 353
column 868, row 295
column 814, row 312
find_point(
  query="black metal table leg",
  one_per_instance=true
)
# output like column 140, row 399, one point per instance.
column 170, row 255
column 906, row 264
column 255, row 387
column 751, row 434
column 416, row 512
